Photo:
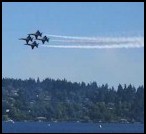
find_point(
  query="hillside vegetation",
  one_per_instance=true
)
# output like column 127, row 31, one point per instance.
column 61, row 100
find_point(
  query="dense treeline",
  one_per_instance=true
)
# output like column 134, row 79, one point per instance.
column 60, row 100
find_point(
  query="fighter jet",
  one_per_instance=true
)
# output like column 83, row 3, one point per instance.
column 45, row 38
column 36, row 34
column 34, row 44
column 29, row 38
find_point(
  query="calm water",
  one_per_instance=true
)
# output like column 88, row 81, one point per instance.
column 65, row 127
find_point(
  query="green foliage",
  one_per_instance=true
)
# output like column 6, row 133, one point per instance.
column 66, row 101
column 5, row 117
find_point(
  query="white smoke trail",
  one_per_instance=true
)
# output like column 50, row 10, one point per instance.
column 95, row 47
column 103, row 42
column 98, row 42
column 69, row 37
column 99, row 39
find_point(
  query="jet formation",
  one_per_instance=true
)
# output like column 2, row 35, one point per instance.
column 34, row 43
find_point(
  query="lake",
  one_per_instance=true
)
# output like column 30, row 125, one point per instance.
column 71, row 127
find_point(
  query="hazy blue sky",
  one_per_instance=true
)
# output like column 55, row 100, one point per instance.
column 112, row 66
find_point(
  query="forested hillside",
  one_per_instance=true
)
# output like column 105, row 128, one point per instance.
column 61, row 100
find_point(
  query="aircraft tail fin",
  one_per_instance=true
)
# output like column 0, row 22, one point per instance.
column 27, row 41
column 43, row 41
column 28, row 36
column 48, row 40
column 37, row 45
column 31, row 39
column 32, row 47
column 36, row 36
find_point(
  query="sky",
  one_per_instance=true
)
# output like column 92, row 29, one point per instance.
column 95, row 19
